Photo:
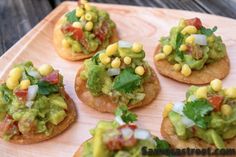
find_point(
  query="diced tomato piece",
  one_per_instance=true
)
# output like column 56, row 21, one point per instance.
column 194, row 22
column 21, row 94
column 114, row 143
column 216, row 101
column 77, row 33
column 52, row 78
column 7, row 126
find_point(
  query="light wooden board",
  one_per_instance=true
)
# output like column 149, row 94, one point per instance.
column 144, row 25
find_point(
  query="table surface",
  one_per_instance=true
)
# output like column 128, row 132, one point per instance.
column 19, row 16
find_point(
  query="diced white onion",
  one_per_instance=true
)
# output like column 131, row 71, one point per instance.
column 124, row 44
column 142, row 134
column 178, row 107
column 127, row 133
column 34, row 74
column 119, row 120
column 200, row 39
column 187, row 122
column 29, row 104
column 113, row 71
column 32, row 92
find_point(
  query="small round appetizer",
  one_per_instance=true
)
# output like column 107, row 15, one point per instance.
column 192, row 54
column 116, row 76
column 206, row 119
column 33, row 104
column 81, row 32
column 121, row 138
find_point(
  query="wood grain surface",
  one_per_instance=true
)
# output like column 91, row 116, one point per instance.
column 140, row 24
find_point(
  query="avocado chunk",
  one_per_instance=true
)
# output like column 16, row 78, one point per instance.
column 127, row 52
column 180, row 128
column 56, row 117
column 230, row 133
column 99, row 148
column 27, row 121
column 218, row 141
column 58, row 101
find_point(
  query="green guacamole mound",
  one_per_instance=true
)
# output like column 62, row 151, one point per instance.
column 196, row 54
column 21, row 114
column 210, row 116
column 87, row 28
column 121, row 82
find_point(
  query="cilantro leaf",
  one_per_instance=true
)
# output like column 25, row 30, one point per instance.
column 208, row 31
column 179, row 40
column 162, row 144
column 197, row 111
column 71, row 16
column 45, row 88
column 127, row 116
column 127, row 81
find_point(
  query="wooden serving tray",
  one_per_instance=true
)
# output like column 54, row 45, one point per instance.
column 145, row 25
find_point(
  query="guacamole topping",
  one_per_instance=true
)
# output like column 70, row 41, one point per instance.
column 120, row 139
column 86, row 29
column 191, row 46
column 208, row 113
column 119, row 71
column 31, row 100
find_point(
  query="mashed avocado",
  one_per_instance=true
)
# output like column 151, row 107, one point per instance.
column 30, row 100
column 119, row 72
column 210, row 112
column 86, row 29
column 192, row 45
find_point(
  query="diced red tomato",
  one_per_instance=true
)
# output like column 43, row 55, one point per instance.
column 102, row 31
column 52, row 78
column 216, row 101
column 77, row 33
column 194, row 22
column 7, row 126
column 21, row 94
column 114, row 143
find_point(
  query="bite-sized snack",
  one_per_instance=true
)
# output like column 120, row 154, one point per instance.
column 206, row 119
column 83, row 31
column 115, row 76
column 192, row 54
column 120, row 138
column 34, row 105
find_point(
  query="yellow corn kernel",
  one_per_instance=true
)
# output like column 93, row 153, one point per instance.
column 12, row 83
column 89, row 26
column 167, row 110
column 211, row 39
column 139, row 70
column 16, row 73
column 226, row 110
column 65, row 43
column 190, row 39
column 137, row 47
column 104, row 58
column 167, row 49
column 79, row 12
column 183, row 47
column 88, row 17
column 127, row 60
column 112, row 49
column 189, row 30
column 45, row 69
column 182, row 23
column 216, row 85
column 24, row 84
column 186, row 70
column 87, row 7
column 201, row 92
column 160, row 56
column 177, row 67
column 230, row 92
column 77, row 25
column 116, row 63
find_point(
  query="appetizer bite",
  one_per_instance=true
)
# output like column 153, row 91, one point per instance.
column 120, row 138
column 192, row 53
column 83, row 31
column 206, row 119
column 116, row 76
column 33, row 104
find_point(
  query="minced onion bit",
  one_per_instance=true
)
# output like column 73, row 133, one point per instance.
column 113, row 71
column 124, row 44
column 178, row 107
column 32, row 92
column 200, row 39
